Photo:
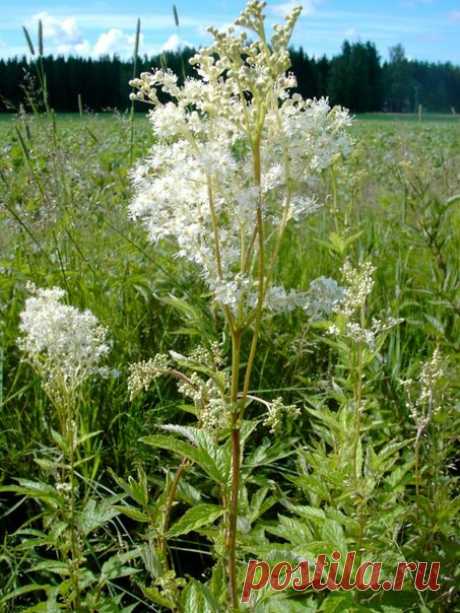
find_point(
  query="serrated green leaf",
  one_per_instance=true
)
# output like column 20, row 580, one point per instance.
column 25, row 589
column 183, row 449
column 52, row 566
column 197, row 517
column 132, row 513
column 96, row 514
column 197, row 597
column 114, row 568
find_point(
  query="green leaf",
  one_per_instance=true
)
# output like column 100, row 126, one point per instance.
column 97, row 514
column 132, row 513
column 453, row 200
column 283, row 603
column 183, row 449
column 87, row 437
column 332, row 533
column 311, row 513
column 25, row 589
column 135, row 489
column 50, row 606
column 35, row 489
column 154, row 594
column 203, row 441
column 115, row 567
column 197, row 597
column 52, row 566
column 197, row 517
column 291, row 529
column 338, row 602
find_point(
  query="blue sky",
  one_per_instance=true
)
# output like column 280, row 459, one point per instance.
column 428, row 29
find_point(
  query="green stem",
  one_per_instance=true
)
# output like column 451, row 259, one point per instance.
column 238, row 404
column 74, row 545
column 417, row 467
column 235, row 476
column 358, row 394
column 168, row 507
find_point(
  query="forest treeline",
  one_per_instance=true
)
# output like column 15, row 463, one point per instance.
column 356, row 78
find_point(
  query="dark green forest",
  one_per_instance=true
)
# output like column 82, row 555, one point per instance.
column 356, row 78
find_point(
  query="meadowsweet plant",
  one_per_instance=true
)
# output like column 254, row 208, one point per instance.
column 425, row 398
column 358, row 339
column 65, row 346
column 237, row 157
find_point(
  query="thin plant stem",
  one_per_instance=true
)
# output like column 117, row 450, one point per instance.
column 168, row 507
column 358, row 394
column 239, row 406
column 235, row 476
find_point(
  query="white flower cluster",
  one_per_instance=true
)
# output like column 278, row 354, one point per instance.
column 323, row 297
column 349, row 301
column 211, row 357
column 208, row 399
column 277, row 412
column 234, row 152
column 359, row 282
column 63, row 344
column 141, row 374
column 206, row 386
column 428, row 389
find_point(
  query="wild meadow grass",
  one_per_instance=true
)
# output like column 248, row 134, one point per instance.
column 365, row 462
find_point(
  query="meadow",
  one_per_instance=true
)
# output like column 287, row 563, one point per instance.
column 381, row 480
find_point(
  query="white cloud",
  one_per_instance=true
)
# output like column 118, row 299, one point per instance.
column 454, row 16
column 115, row 41
column 174, row 43
column 284, row 8
column 60, row 31
column 61, row 35
column 83, row 48
column 110, row 42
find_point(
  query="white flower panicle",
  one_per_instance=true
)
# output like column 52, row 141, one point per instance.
column 323, row 297
column 208, row 393
column 359, row 282
column 63, row 344
column 278, row 412
column 425, row 396
column 142, row 374
column 233, row 149
column 349, row 302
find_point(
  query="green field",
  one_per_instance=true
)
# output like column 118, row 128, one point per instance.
column 64, row 195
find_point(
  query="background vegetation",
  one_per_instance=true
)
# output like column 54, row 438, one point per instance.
column 356, row 78
column 64, row 191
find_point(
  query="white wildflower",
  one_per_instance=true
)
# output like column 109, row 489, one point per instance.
column 233, row 149
column 278, row 300
column 333, row 330
column 358, row 334
column 64, row 344
column 277, row 412
column 360, row 282
column 141, row 374
column 425, row 395
column 323, row 297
